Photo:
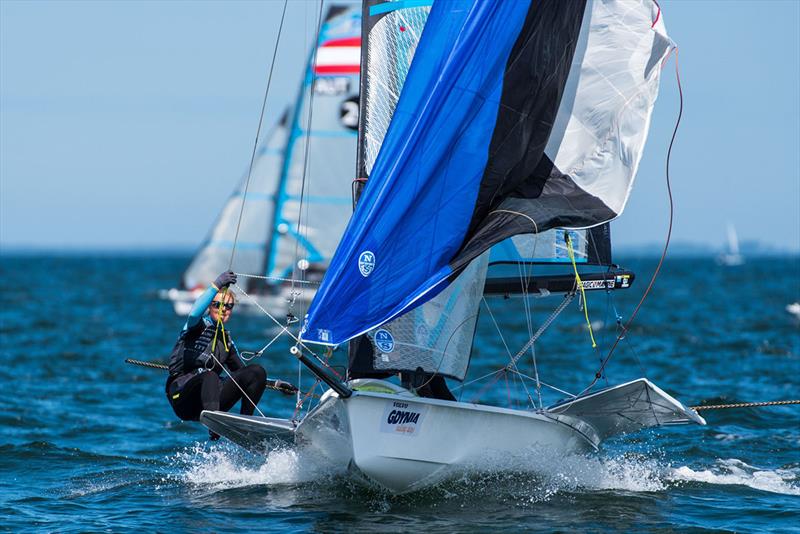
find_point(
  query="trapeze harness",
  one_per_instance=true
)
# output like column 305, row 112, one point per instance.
column 194, row 382
column 191, row 355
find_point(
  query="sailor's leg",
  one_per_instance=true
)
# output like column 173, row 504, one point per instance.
column 252, row 379
column 210, row 391
column 200, row 393
column 439, row 389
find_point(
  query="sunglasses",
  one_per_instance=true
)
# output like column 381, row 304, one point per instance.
column 216, row 304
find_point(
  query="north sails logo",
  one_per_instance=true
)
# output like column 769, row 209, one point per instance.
column 366, row 263
column 384, row 340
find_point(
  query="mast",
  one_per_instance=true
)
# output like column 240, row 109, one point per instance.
column 408, row 22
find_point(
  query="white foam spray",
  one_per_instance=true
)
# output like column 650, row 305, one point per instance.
column 225, row 466
column 539, row 474
column 736, row 472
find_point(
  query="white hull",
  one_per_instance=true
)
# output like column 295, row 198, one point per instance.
column 385, row 447
column 403, row 443
column 277, row 304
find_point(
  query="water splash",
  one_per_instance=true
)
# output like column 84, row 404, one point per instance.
column 556, row 472
column 225, row 466
column 535, row 476
column 739, row 473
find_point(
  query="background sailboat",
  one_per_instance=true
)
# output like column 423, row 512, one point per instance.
column 290, row 226
column 731, row 257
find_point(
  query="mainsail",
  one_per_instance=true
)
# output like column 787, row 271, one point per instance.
column 515, row 118
column 321, row 129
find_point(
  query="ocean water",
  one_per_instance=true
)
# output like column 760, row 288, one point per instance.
column 89, row 443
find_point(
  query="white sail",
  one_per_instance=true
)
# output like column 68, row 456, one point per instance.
column 255, row 230
column 314, row 201
column 310, row 154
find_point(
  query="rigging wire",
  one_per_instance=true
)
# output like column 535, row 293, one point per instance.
column 276, row 278
column 220, row 325
column 306, row 176
column 300, row 227
column 258, row 133
column 628, row 323
column 525, row 276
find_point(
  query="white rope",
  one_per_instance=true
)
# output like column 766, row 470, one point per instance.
column 497, row 326
column 276, row 278
column 545, row 384
column 524, row 386
column 525, row 276
column 465, row 384
column 277, row 322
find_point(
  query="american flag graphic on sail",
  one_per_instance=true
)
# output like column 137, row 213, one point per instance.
column 339, row 57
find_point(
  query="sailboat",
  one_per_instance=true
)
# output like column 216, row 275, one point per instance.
column 731, row 257
column 495, row 138
column 282, row 236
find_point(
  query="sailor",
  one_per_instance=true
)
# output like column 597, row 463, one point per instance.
column 205, row 349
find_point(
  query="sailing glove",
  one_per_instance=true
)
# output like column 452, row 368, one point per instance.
column 225, row 279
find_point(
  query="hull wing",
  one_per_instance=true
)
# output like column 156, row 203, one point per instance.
column 248, row 431
column 627, row 408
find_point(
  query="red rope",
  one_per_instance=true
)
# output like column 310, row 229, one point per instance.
column 477, row 397
column 658, row 15
column 308, row 395
column 627, row 325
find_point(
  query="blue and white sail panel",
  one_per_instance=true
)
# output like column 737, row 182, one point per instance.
column 258, row 210
column 590, row 246
column 437, row 336
column 393, row 31
column 586, row 173
column 468, row 159
column 314, row 201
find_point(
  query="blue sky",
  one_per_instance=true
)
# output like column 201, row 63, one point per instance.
column 126, row 124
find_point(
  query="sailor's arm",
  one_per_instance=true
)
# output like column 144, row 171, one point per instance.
column 200, row 306
column 204, row 300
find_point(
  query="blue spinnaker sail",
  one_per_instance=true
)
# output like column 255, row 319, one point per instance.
column 431, row 161
column 515, row 118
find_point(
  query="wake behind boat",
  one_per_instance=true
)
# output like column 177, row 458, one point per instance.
column 492, row 168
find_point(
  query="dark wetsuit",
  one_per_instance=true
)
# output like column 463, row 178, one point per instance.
column 194, row 382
